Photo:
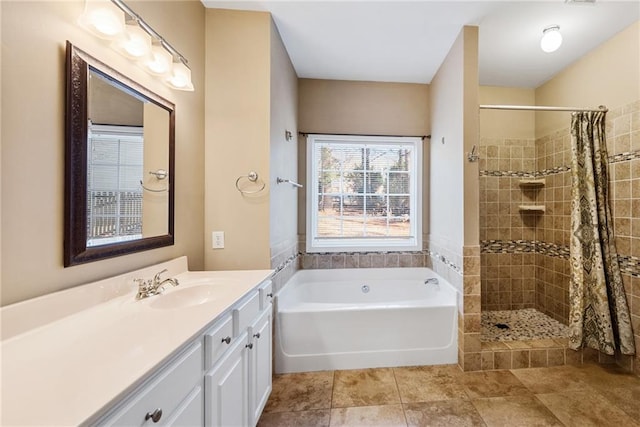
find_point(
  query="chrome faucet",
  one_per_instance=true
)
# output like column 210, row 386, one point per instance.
column 432, row 280
column 155, row 286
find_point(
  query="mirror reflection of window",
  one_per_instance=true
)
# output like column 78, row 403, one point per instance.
column 114, row 194
column 115, row 162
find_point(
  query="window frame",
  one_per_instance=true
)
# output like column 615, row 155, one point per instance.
column 412, row 243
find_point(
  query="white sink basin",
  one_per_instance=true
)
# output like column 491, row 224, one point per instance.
column 186, row 297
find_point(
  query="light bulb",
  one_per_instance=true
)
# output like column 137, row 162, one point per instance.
column 102, row 18
column 136, row 42
column 551, row 39
column 159, row 61
column 180, row 77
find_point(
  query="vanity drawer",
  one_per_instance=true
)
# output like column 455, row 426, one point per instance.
column 266, row 294
column 217, row 340
column 163, row 393
column 244, row 314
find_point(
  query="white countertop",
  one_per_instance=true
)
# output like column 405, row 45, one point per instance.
column 73, row 363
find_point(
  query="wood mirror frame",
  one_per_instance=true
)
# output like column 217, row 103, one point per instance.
column 76, row 250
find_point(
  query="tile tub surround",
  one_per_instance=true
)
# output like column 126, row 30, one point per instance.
column 447, row 396
column 326, row 260
column 111, row 330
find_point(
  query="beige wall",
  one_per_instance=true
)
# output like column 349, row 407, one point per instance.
column 33, row 91
column 447, row 145
column 283, row 227
column 369, row 108
column 471, row 136
column 237, row 132
column 509, row 124
column 609, row 75
column 372, row 108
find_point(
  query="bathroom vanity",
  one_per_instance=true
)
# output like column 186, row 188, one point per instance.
column 198, row 354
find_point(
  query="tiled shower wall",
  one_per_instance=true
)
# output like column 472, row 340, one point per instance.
column 506, row 263
column 522, row 253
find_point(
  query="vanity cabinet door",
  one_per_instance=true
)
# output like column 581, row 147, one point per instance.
column 191, row 411
column 226, row 388
column 260, row 364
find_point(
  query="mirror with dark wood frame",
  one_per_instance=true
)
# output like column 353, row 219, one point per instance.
column 120, row 164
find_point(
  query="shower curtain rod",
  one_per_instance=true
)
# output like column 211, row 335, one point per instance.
column 540, row 108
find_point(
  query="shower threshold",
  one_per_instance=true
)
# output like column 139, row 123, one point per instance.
column 520, row 325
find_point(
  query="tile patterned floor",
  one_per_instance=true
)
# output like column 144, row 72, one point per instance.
column 586, row 395
column 525, row 324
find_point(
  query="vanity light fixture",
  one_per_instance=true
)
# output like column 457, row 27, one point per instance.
column 135, row 39
column 551, row 39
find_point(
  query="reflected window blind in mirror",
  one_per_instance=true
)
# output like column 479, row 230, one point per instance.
column 114, row 194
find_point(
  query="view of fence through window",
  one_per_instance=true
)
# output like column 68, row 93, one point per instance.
column 363, row 190
column 114, row 194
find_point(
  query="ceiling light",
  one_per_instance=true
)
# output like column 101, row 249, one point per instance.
column 551, row 39
column 103, row 18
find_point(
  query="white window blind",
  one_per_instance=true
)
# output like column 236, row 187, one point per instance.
column 363, row 193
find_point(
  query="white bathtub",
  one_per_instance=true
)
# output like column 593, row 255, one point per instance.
column 325, row 320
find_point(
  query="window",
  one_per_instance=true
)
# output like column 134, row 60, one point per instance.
column 363, row 193
column 114, row 194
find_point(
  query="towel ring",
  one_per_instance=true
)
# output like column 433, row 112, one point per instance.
column 160, row 174
column 151, row 189
column 251, row 177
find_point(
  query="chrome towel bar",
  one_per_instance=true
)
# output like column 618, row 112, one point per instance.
column 282, row 181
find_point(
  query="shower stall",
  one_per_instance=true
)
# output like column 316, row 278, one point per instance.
column 526, row 230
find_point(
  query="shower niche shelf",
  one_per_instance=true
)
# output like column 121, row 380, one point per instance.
column 531, row 208
column 532, row 183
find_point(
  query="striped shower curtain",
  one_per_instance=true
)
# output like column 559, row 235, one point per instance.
column 599, row 316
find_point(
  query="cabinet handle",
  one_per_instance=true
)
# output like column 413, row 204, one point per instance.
column 270, row 294
column 226, row 340
column 249, row 346
column 155, row 415
column 257, row 335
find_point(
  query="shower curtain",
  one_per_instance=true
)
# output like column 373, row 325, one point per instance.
column 599, row 316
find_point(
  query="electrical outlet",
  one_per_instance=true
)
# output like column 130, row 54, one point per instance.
column 217, row 239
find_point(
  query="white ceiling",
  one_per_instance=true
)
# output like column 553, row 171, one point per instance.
column 406, row 41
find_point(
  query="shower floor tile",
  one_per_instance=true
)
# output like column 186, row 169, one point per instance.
column 516, row 325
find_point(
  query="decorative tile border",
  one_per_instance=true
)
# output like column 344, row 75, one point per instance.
column 510, row 174
column 292, row 259
column 617, row 158
column 526, row 174
column 445, row 261
column 622, row 157
column 524, row 246
column 629, row 265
